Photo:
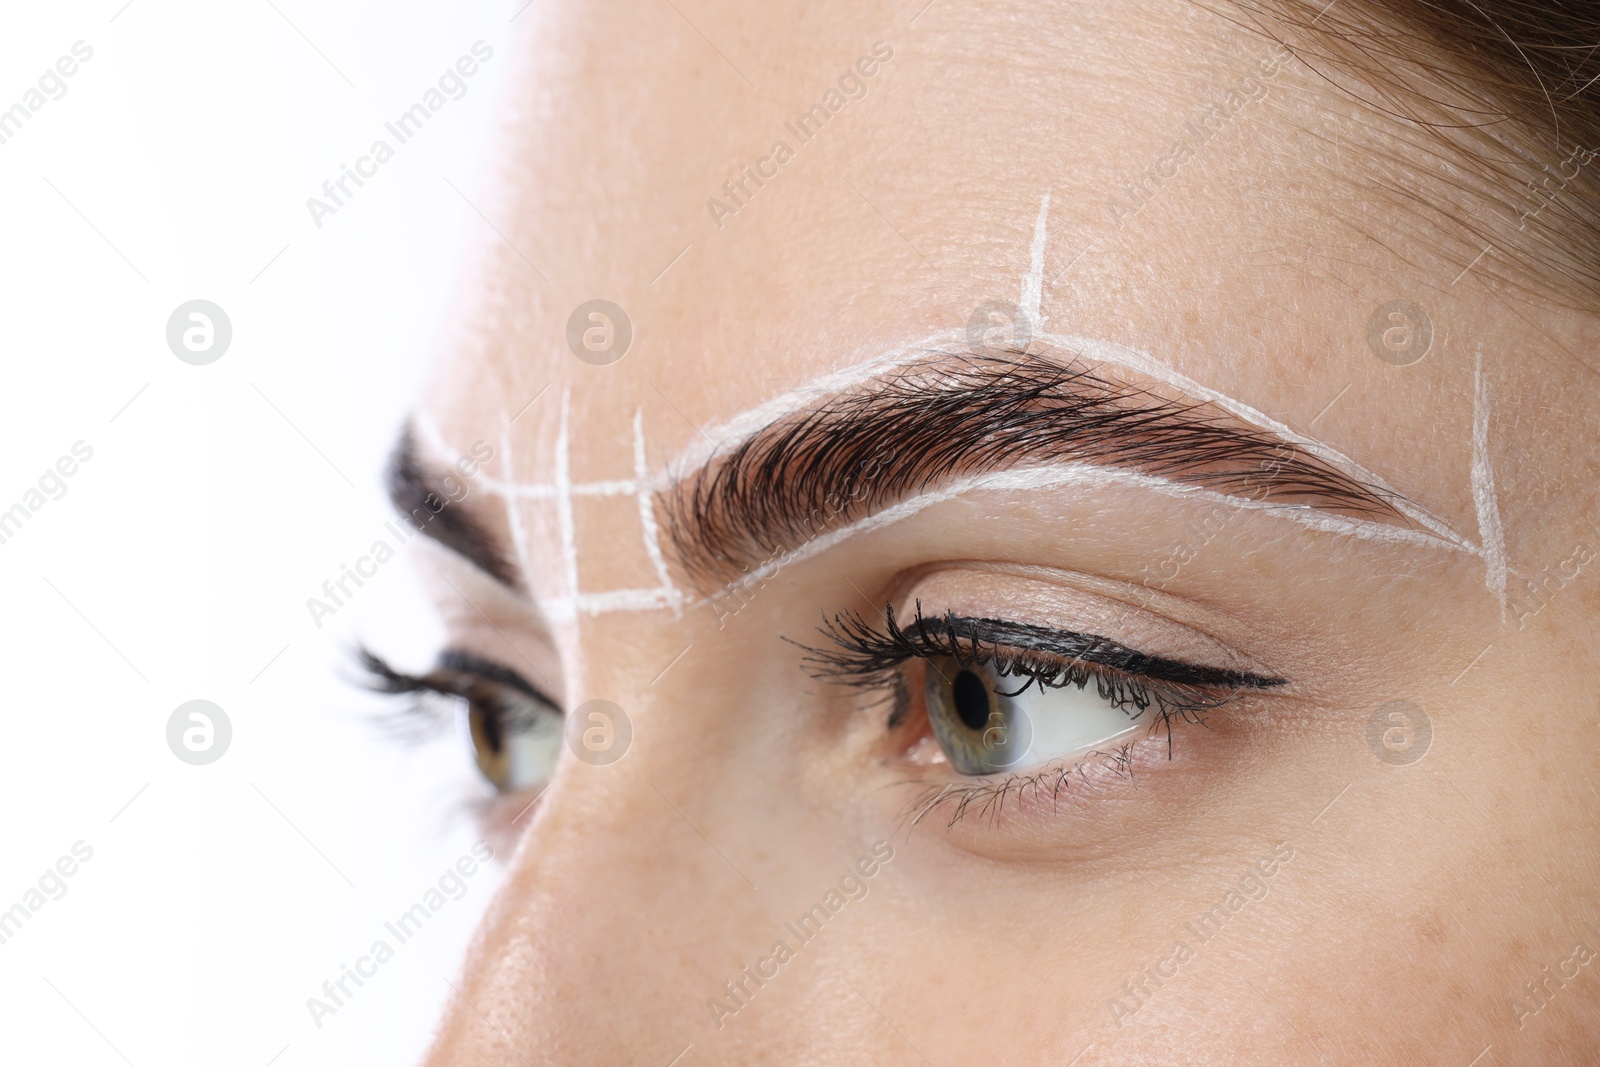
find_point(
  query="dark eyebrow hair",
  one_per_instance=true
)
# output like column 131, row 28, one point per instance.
column 416, row 494
column 953, row 415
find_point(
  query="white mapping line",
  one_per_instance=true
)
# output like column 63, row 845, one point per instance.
column 508, row 487
column 513, row 505
column 647, row 512
column 1483, row 491
column 1033, row 281
column 548, row 491
column 567, row 609
column 1147, row 365
column 725, row 436
column 728, row 435
column 1064, row 474
column 569, row 543
column 432, row 439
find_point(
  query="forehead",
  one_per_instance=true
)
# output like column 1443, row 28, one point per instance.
column 771, row 195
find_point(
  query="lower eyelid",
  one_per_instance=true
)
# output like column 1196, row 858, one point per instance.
column 1044, row 788
column 1093, row 804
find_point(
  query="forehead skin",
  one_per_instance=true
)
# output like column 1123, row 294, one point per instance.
column 1253, row 267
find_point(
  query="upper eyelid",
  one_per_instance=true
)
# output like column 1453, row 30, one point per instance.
column 488, row 670
column 1023, row 637
column 389, row 679
column 920, row 637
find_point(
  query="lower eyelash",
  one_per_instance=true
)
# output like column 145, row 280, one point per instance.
column 875, row 658
column 988, row 798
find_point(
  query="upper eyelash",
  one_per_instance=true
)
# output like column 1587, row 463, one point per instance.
column 870, row 657
column 865, row 652
column 454, row 674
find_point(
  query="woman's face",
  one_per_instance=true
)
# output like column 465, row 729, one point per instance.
column 1073, row 336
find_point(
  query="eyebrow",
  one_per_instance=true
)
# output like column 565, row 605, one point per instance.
column 949, row 417
column 417, row 493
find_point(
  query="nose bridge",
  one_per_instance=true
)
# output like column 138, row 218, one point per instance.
column 620, row 912
column 605, row 934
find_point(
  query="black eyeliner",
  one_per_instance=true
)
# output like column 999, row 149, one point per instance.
column 865, row 652
column 467, row 663
column 383, row 678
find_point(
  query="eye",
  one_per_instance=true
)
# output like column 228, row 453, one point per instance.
column 987, row 723
column 515, row 740
column 1001, row 696
column 514, row 730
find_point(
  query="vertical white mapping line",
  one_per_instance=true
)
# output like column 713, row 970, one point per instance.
column 647, row 515
column 513, row 502
column 1490, row 533
column 432, row 439
column 1033, row 283
column 569, row 543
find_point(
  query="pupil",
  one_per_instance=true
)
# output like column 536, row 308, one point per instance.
column 972, row 700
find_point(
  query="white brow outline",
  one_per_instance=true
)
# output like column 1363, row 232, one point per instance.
column 1058, row 475
column 647, row 515
column 724, row 437
column 742, row 427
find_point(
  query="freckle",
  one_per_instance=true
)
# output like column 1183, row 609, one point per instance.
column 1430, row 928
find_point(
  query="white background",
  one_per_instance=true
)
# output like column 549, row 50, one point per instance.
column 218, row 499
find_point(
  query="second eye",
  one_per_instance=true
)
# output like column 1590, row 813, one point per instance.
column 515, row 742
column 514, row 730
